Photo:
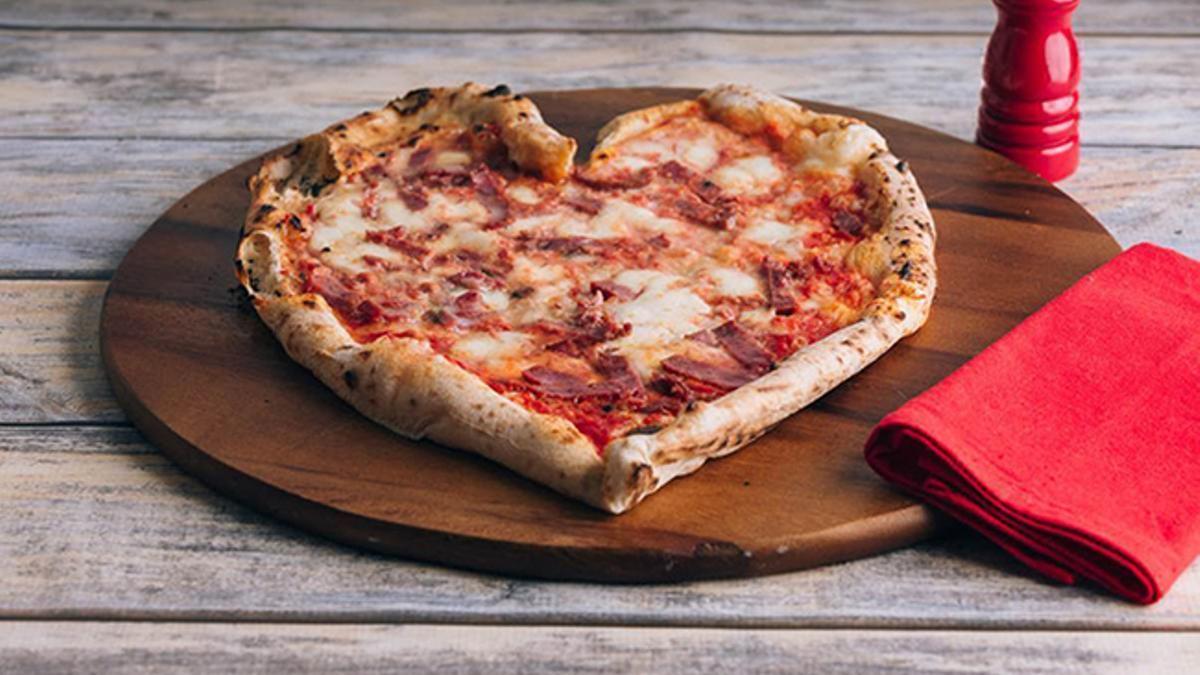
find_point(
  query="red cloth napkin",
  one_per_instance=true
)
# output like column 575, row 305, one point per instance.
column 1074, row 440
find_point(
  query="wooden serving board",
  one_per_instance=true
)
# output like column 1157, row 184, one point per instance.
column 205, row 381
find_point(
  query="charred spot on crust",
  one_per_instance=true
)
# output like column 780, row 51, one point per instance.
column 902, row 166
column 309, row 303
column 498, row 90
column 264, row 211
column 900, row 315
column 419, row 94
column 295, row 149
column 519, row 97
column 351, row 378
column 314, row 188
column 906, row 270
column 646, row 429
column 294, row 221
column 414, row 100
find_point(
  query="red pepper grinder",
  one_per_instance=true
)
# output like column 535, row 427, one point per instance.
column 1030, row 110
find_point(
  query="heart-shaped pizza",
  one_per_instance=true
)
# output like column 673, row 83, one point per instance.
column 717, row 264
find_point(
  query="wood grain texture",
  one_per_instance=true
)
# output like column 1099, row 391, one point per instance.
column 286, row 84
column 56, row 647
column 74, row 207
column 49, row 354
column 1142, row 194
column 1169, row 16
column 99, row 525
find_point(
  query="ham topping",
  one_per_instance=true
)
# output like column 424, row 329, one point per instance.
column 778, row 294
column 725, row 377
column 743, row 347
column 620, row 380
column 395, row 239
column 611, row 289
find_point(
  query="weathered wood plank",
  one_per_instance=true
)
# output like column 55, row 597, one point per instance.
column 283, row 84
column 99, row 525
column 1142, row 194
column 63, row 647
column 1166, row 16
column 74, row 207
column 50, row 367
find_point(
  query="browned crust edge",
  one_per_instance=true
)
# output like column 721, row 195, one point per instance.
column 408, row 388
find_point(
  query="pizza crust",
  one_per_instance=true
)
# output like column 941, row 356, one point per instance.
column 404, row 385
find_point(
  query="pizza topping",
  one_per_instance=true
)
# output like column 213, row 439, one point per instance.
column 345, row 299
column 848, row 223
column 779, row 294
column 583, row 202
column 620, row 377
column 474, row 280
column 687, row 262
column 725, row 377
column 619, row 380
column 395, row 238
column 611, row 289
column 469, row 305
column 742, row 347
column 556, row 383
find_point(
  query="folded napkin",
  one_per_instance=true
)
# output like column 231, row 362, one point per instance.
column 1074, row 440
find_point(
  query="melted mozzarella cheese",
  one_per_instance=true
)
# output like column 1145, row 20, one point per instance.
column 347, row 255
column 842, row 150
column 444, row 209
column 496, row 300
column 630, row 162
column 451, row 159
column 664, row 311
column 733, row 283
column 524, row 194
column 501, row 351
column 697, row 151
column 700, row 154
column 618, row 213
column 748, row 175
column 757, row 318
column 527, row 272
column 542, row 223
column 466, row 235
column 783, row 237
column 394, row 213
column 599, row 227
column 769, row 232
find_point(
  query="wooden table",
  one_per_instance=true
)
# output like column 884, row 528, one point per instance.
column 110, row 557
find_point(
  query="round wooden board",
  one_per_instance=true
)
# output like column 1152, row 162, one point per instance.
column 206, row 382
